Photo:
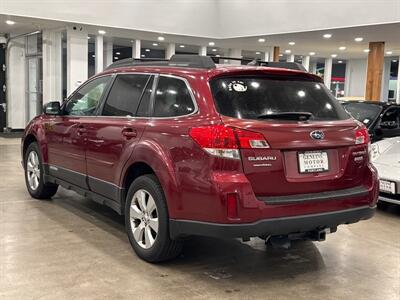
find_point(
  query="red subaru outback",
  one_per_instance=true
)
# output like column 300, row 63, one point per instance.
column 186, row 147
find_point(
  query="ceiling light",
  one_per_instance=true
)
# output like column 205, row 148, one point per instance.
column 288, row 51
column 142, row 55
column 342, row 48
column 211, row 44
column 161, row 38
column 258, row 52
column 147, row 50
column 312, row 53
column 327, row 36
column 394, row 60
column 214, row 50
column 333, row 55
column 155, row 44
column 93, row 55
column 358, row 39
column 292, row 43
column 261, row 40
column 366, row 50
column 281, row 55
column 217, row 55
column 389, row 52
column 101, row 32
column 181, row 46
column 340, row 61
column 115, row 57
column 117, row 53
column 9, row 22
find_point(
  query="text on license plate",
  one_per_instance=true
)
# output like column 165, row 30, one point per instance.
column 313, row 161
column 387, row 186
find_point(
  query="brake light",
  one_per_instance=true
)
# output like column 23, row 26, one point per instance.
column 222, row 141
column 362, row 136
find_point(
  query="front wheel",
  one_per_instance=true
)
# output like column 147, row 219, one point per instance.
column 147, row 221
column 34, row 175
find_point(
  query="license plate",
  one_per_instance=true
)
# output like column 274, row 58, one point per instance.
column 387, row 186
column 313, row 161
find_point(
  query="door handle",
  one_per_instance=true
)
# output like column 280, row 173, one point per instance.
column 129, row 133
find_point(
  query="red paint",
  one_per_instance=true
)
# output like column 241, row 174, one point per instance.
column 196, row 184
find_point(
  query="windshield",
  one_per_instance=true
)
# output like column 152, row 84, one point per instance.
column 257, row 97
column 363, row 112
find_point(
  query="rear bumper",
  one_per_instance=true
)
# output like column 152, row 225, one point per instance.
column 274, row 226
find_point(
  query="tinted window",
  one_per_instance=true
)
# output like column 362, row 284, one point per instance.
column 124, row 96
column 363, row 112
column 253, row 97
column 390, row 122
column 172, row 98
column 144, row 106
column 86, row 99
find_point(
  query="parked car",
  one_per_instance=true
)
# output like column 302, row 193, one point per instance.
column 186, row 147
column 385, row 156
column 381, row 118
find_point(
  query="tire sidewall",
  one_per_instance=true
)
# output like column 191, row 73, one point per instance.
column 38, row 191
column 152, row 186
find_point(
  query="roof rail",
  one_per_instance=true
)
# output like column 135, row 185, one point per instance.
column 202, row 62
column 258, row 62
column 177, row 60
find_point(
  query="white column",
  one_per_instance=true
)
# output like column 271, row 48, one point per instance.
column 77, row 58
column 306, row 62
column 290, row 58
column 235, row 53
column 136, row 47
column 203, row 50
column 108, row 54
column 269, row 54
column 99, row 54
column 328, row 72
column 398, row 82
column 52, row 66
column 313, row 67
column 385, row 79
column 170, row 50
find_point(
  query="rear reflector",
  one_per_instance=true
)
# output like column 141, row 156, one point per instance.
column 225, row 142
column 362, row 136
column 231, row 206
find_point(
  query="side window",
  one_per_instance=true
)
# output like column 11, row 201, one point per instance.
column 172, row 98
column 144, row 106
column 85, row 101
column 124, row 97
column 390, row 122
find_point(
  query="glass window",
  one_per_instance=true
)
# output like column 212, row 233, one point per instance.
column 250, row 97
column 86, row 99
column 363, row 112
column 172, row 98
column 390, row 122
column 124, row 96
column 144, row 106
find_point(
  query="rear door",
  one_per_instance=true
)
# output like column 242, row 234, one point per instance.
column 305, row 154
column 114, row 134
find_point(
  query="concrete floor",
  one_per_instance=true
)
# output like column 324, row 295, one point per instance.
column 72, row 248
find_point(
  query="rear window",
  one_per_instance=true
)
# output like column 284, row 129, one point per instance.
column 254, row 97
column 363, row 112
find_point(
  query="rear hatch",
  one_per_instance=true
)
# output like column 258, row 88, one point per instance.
column 311, row 144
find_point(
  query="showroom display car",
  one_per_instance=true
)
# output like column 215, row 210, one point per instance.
column 187, row 147
column 381, row 118
column 385, row 155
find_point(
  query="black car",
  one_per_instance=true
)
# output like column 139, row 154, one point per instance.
column 381, row 118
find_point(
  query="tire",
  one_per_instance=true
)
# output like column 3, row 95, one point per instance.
column 147, row 222
column 34, row 174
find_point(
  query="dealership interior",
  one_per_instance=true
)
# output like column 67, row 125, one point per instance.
column 71, row 247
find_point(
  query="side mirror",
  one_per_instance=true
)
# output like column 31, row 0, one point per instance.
column 52, row 108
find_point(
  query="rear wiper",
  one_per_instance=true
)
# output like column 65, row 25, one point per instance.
column 296, row 116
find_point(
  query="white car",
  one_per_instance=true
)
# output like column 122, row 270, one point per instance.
column 385, row 156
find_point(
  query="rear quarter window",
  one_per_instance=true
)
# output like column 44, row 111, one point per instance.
column 252, row 97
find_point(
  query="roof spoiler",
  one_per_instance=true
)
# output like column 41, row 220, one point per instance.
column 198, row 61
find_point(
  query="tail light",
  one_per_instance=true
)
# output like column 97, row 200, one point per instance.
column 222, row 141
column 362, row 136
column 232, row 206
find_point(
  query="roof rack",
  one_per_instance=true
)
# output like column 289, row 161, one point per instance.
column 202, row 62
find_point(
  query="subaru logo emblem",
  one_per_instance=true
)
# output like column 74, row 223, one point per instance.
column 317, row 135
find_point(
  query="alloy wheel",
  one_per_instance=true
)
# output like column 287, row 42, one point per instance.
column 33, row 170
column 144, row 219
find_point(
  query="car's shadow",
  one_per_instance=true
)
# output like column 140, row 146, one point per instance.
column 213, row 258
